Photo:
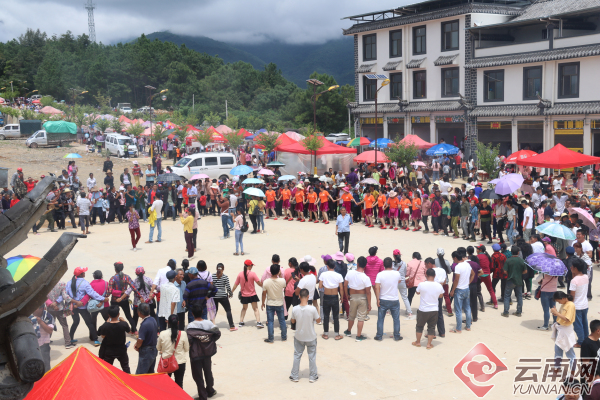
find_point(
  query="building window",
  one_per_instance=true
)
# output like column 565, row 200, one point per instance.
column 420, row 85
column 450, row 82
column 450, row 35
column 395, row 86
column 419, row 40
column 568, row 80
column 532, row 83
column 369, row 88
column 493, row 84
column 396, row 44
column 369, row 47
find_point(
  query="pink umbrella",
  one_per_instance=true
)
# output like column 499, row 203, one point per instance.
column 418, row 164
column 265, row 171
column 199, row 176
column 585, row 216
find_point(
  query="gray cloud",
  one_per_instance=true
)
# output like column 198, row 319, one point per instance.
column 291, row 21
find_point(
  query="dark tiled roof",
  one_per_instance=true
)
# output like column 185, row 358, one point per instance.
column 365, row 68
column 382, row 108
column 535, row 56
column 436, row 14
column 419, row 106
column 549, row 8
column 506, row 110
column 392, row 65
column 591, row 107
column 416, row 63
column 445, row 60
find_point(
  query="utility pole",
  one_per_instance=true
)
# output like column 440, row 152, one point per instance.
column 92, row 27
column 193, row 105
column 226, row 114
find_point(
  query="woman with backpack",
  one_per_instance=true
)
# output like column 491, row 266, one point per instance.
column 240, row 226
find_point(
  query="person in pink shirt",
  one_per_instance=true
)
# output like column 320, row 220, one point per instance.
column 374, row 265
column 291, row 277
column 246, row 280
column 548, row 246
column 100, row 286
column 415, row 274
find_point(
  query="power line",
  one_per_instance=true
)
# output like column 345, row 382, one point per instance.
column 92, row 27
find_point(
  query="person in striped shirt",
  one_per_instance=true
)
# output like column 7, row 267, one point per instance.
column 221, row 282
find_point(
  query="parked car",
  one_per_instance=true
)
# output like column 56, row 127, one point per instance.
column 145, row 109
column 10, row 131
column 114, row 144
column 337, row 137
column 216, row 165
column 36, row 97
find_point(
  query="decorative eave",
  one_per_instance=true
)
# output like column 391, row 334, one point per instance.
column 365, row 68
column 445, row 60
column 430, row 106
column 509, row 110
column 575, row 108
column 416, row 63
column 432, row 15
column 535, row 56
column 382, row 108
column 392, row 65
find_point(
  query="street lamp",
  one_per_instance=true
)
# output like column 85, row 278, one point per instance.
column 385, row 82
column 315, row 96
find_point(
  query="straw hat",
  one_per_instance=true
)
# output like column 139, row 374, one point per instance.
column 393, row 194
column 300, row 186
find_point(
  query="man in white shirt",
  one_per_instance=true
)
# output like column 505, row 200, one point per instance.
column 586, row 247
column 308, row 282
column 84, row 205
column 445, row 186
column 578, row 288
column 157, row 206
column 179, row 197
column 441, row 277
column 536, row 198
column 161, row 276
column 331, row 283
column 169, row 297
column 91, row 182
column 527, row 220
column 431, row 294
column 273, row 295
column 536, row 244
column 359, row 285
column 304, row 317
column 463, row 275
column 560, row 200
column 386, row 293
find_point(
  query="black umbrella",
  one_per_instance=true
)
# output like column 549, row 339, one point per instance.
column 170, row 177
column 488, row 194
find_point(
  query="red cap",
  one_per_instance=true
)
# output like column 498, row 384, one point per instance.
column 248, row 263
column 20, row 169
column 397, row 252
column 79, row 271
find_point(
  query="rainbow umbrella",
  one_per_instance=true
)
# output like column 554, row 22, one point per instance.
column 18, row 266
column 359, row 141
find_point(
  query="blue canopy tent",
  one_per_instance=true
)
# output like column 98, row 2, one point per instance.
column 442, row 148
column 382, row 143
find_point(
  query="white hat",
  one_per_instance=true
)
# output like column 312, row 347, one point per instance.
column 135, row 163
column 308, row 259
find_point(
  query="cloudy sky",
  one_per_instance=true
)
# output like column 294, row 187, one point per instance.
column 292, row 21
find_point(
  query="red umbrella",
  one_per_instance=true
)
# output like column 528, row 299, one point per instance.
column 369, row 157
column 519, row 155
column 36, row 101
column 559, row 157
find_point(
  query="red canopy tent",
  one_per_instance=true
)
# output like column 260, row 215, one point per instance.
column 559, row 157
column 328, row 148
column 191, row 128
column 244, row 132
column 217, row 137
column 123, row 118
column 519, row 155
column 369, row 157
column 83, row 375
column 414, row 139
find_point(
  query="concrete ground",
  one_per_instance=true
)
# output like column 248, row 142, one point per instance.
column 246, row 366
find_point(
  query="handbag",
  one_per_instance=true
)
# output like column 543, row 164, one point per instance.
column 170, row 364
column 411, row 282
column 95, row 305
column 538, row 291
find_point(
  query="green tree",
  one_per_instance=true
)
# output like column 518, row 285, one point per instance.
column 203, row 137
column 232, row 121
column 135, row 130
column 9, row 94
column 192, row 120
column 158, row 133
column 234, row 139
column 486, row 158
column 268, row 140
column 313, row 142
column 103, row 101
column 116, row 125
column 402, row 153
column 212, row 119
column 29, row 114
column 181, row 133
column 79, row 118
column 102, row 124
column 46, row 101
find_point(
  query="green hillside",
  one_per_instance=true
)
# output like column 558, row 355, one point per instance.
column 296, row 61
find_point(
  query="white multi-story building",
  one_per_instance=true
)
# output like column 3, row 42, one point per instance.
column 515, row 72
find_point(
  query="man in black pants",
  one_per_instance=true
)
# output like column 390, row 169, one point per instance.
column 114, row 336
column 342, row 229
column 202, row 335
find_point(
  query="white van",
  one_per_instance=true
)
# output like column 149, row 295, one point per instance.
column 337, row 137
column 214, row 164
column 115, row 142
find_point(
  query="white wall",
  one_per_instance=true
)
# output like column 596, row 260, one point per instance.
column 576, row 41
column 511, row 49
column 589, row 84
column 434, row 74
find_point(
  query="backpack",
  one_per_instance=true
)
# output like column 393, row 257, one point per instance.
column 446, row 169
column 244, row 227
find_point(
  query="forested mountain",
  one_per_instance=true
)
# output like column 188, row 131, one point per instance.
column 296, row 61
column 256, row 97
